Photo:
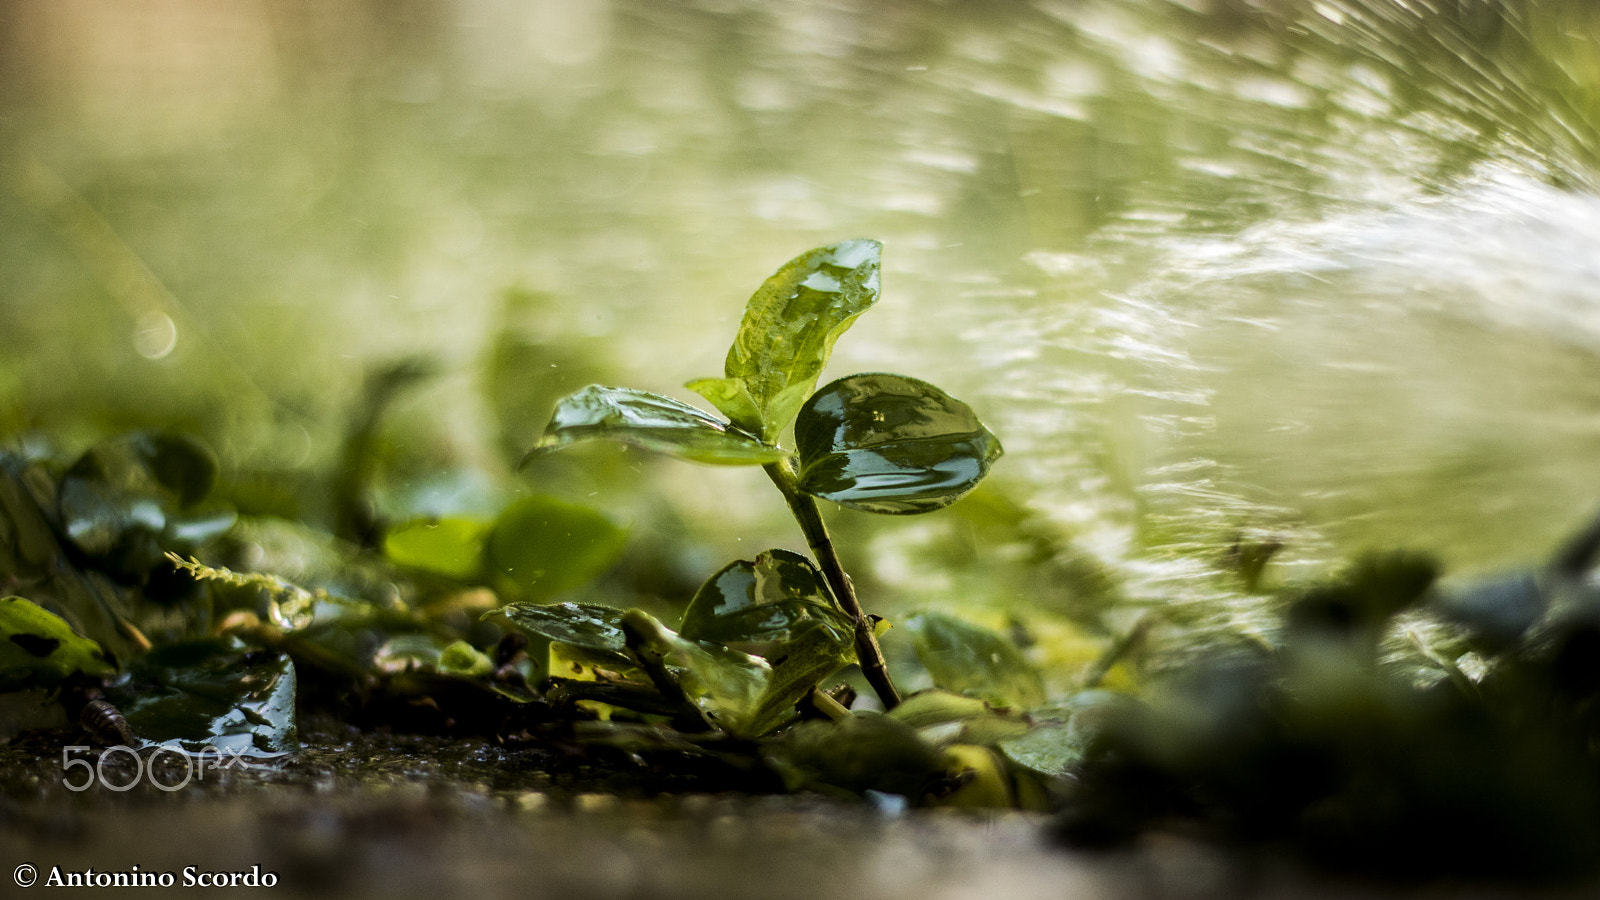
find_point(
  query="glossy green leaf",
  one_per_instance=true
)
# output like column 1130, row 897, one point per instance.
column 651, row 422
column 451, row 547
column 788, row 332
column 978, row 778
column 728, row 685
column 1497, row 610
column 815, row 650
column 119, row 530
column 777, row 608
column 195, row 528
column 972, row 660
column 211, row 694
column 890, row 444
column 38, row 647
column 943, row 718
column 763, row 602
column 541, row 546
column 596, row 630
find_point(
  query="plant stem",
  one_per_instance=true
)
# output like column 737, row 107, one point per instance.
column 805, row 511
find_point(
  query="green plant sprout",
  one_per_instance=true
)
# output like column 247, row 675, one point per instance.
column 875, row 442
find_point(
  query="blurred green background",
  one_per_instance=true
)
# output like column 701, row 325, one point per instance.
column 1321, row 273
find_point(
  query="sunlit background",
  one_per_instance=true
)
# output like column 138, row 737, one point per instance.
column 1320, row 273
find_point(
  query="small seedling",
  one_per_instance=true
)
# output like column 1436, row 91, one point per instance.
column 875, row 442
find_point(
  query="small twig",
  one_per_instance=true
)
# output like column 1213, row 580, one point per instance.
column 819, row 704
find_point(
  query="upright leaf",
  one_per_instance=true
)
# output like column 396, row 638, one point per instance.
column 890, row 444
column 651, row 422
column 788, row 332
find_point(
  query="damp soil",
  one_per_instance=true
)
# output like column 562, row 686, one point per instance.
column 376, row 814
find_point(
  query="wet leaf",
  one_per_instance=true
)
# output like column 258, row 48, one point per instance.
column 729, row 686
column 351, row 494
column 451, row 547
column 991, row 729
column 129, row 500
column 777, row 608
column 891, row 444
column 525, row 369
column 597, row 630
column 212, row 694
column 27, row 541
column 975, row 661
column 38, row 647
column 1051, row 750
column 179, row 462
column 198, row 527
column 651, row 422
column 788, row 332
column 814, row 651
column 763, row 602
column 1361, row 600
column 118, row 530
column 540, row 546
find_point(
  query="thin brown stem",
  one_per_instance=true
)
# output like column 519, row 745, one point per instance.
column 805, row 511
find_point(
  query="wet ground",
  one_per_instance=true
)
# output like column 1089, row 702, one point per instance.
column 378, row 815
